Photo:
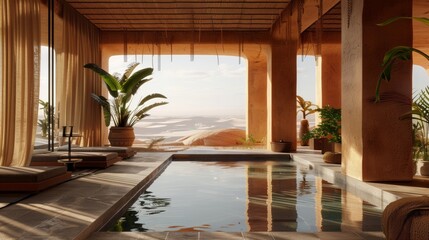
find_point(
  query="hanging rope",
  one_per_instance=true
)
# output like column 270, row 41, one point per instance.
column 239, row 50
column 300, row 6
column 153, row 53
column 320, row 29
column 125, row 45
column 349, row 11
column 136, row 46
column 159, row 56
column 217, row 56
column 171, row 51
column 142, row 43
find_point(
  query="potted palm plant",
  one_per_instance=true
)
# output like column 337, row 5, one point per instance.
column 306, row 108
column 120, row 108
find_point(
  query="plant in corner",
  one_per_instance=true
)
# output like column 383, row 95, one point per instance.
column 121, row 108
column 420, row 106
column 420, row 115
column 306, row 108
column 44, row 124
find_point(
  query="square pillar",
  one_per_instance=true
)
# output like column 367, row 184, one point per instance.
column 257, row 97
column 376, row 144
column 331, row 70
column 281, row 92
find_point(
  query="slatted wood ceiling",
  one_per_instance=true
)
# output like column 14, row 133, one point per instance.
column 181, row 15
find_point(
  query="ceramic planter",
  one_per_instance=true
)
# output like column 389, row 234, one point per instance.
column 304, row 129
column 121, row 136
column 424, row 168
column 281, row 146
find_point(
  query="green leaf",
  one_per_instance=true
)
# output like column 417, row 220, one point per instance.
column 143, row 112
column 105, row 105
column 150, row 97
column 111, row 82
column 128, row 72
column 139, row 84
column 121, row 109
column 403, row 53
column 135, row 79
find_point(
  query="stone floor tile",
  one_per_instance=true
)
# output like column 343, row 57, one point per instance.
column 338, row 236
column 182, row 236
column 372, row 235
column 220, row 236
column 257, row 236
column 128, row 236
column 293, row 236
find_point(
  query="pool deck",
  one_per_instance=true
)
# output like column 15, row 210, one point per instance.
column 79, row 208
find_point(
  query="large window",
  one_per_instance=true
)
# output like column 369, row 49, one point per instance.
column 207, row 93
column 43, row 128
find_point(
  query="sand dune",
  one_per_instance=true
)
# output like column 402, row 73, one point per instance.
column 174, row 128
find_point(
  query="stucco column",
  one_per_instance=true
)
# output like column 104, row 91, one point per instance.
column 281, row 92
column 376, row 144
column 257, row 97
column 331, row 70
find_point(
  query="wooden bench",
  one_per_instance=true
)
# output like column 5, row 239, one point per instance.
column 124, row 152
column 31, row 179
column 89, row 159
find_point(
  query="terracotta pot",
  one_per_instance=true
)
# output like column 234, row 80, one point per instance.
column 424, row 169
column 121, row 136
column 303, row 129
column 281, row 146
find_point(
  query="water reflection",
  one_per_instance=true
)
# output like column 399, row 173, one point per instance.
column 246, row 196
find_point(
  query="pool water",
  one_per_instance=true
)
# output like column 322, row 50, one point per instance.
column 246, row 196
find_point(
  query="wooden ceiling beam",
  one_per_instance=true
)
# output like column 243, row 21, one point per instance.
column 179, row 37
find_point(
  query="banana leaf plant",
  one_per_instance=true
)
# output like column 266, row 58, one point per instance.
column 120, row 108
column 403, row 53
column 305, row 107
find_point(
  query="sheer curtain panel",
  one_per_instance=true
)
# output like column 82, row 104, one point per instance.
column 19, row 73
column 75, row 83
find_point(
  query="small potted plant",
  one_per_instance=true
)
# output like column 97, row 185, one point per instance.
column 306, row 108
column 120, row 108
column 329, row 128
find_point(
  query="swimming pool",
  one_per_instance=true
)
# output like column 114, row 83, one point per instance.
column 246, row 196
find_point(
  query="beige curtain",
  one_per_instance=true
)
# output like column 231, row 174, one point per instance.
column 19, row 73
column 75, row 83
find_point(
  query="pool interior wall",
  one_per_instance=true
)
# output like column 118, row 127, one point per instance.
column 283, row 215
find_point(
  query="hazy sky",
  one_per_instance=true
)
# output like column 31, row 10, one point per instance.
column 201, row 87
column 204, row 87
